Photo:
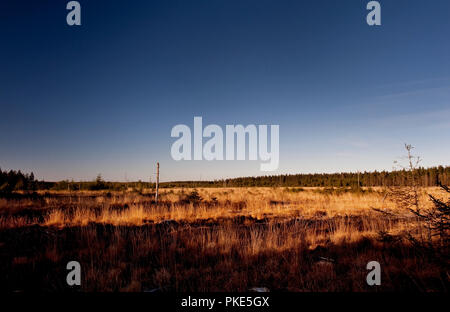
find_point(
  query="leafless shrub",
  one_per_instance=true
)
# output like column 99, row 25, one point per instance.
column 432, row 224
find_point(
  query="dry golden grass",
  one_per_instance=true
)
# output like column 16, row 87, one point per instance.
column 259, row 203
column 228, row 239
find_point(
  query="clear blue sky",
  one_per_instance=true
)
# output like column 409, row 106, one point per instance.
column 103, row 97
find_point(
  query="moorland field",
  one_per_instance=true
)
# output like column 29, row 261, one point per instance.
column 219, row 239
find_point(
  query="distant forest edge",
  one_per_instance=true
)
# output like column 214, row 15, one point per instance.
column 11, row 181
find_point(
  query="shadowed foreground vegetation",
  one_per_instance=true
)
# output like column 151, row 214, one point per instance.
column 216, row 239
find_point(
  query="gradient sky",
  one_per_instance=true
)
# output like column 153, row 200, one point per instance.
column 103, row 97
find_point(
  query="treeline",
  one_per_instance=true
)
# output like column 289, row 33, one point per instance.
column 100, row 184
column 17, row 181
column 423, row 177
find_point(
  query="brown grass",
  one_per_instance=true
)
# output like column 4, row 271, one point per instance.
column 230, row 239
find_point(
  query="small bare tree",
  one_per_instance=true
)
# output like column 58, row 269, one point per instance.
column 432, row 225
column 407, row 196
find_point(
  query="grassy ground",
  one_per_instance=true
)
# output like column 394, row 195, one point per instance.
column 213, row 239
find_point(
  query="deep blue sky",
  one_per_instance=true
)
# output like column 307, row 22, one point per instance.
column 103, row 97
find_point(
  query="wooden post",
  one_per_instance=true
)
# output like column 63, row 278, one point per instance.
column 157, row 182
